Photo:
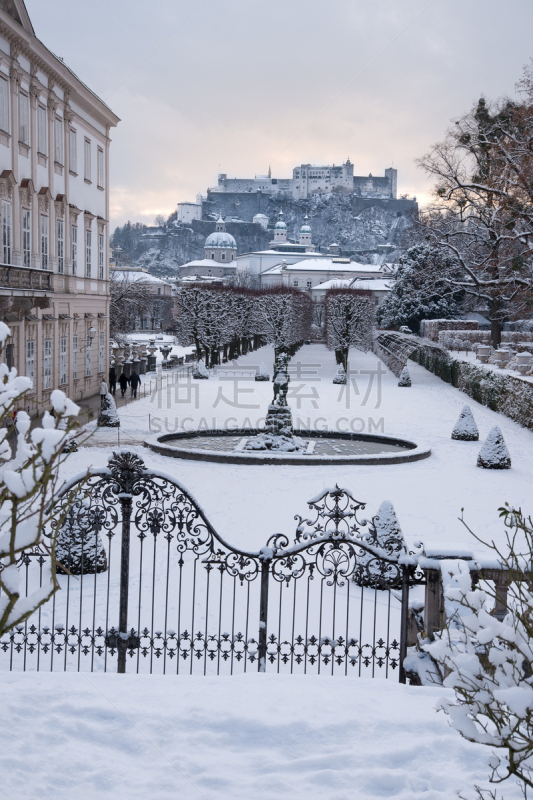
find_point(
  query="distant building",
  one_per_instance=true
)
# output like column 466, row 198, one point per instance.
column 220, row 250
column 308, row 179
column 310, row 273
column 160, row 311
column 189, row 211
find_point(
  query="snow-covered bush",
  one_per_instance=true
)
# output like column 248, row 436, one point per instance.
column 28, row 483
column 108, row 415
column 79, row 546
column 340, row 376
column 387, row 535
column 494, row 453
column 405, row 378
column 488, row 661
column 465, row 428
column 200, row 372
column 432, row 328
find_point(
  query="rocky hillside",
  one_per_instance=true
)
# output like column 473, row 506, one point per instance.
column 357, row 225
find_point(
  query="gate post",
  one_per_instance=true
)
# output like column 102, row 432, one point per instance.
column 122, row 639
column 433, row 613
column 263, row 615
column 404, row 622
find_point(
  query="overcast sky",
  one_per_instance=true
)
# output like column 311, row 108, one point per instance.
column 209, row 86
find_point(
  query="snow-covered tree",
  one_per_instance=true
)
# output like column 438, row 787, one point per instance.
column 488, row 660
column 465, row 429
column 483, row 209
column 28, row 483
column 385, row 533
column 129, row 300
column 420, row 290
column 405, row 378
column 79, row 547
column 494, row 453
column 282, row 318
column 349, row 321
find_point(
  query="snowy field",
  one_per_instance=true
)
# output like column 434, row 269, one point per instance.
column 247, row 504
column 93, row 737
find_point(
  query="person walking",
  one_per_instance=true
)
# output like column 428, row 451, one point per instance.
column 123, row 381
column 112, row 381
column 134, row 381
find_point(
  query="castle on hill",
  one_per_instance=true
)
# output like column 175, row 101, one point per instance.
column 310, row 179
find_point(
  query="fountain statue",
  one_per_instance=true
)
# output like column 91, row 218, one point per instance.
column 279, row 434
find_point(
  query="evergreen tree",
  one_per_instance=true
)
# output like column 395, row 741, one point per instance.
column 420, row 290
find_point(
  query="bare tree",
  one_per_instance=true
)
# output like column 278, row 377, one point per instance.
column 349, row 321
column 129, row 300
column 483, row 208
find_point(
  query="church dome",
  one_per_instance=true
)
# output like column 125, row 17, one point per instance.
column 305, row 229
column 221, row 239
column 280, row 226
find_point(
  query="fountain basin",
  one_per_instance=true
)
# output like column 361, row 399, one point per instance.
column 324, row 447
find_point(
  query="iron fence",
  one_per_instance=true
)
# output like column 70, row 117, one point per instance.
column 148, row 585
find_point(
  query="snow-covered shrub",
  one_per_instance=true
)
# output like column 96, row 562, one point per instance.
column 405, row 378
column 28, row 483
column 494, row 453
column 200, row 372
column 387, row 535
column 79, row 546
column 108, row 415
column 465, row 428
column 340, row 375
column 488, row 661
column 431, row 328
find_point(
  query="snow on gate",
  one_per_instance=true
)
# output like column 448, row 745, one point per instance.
column 152, row 588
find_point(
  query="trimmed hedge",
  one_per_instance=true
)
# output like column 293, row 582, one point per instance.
column 506, row 394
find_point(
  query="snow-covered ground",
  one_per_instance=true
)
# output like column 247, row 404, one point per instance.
column 247, row 504
column 93, row 737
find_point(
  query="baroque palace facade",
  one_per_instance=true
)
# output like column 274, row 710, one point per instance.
column 54, row 211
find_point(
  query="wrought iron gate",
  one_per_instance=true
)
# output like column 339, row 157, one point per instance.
column 157, row 589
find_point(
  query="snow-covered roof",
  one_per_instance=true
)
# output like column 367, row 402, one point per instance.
column 134, row 275
column 210, row 262
column 339, row 283
column 322, row 264
column 374, row 285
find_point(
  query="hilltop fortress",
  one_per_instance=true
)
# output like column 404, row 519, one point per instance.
column 310, row 179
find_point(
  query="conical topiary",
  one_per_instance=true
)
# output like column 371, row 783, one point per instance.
column 465, row 428
column 405, row 378
column 494, row 453
column 108, row 414
column 79, row 547
column 385, row 532
column 340, row 377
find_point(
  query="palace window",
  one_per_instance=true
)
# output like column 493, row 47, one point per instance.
column 63, row 360
column 60, row 246
column 88, row 241
column 74, row 249
column 24, row 118
column 295, row 283
column 58, row 140
column 44, row 242
column 87, row 159
column 41, row 124
column 73, row 151
column 100, row 168
column 7, row 234
column 47, row 364
column 26, row 236
column 30, row 360
column 4, row 104
column 309, row 284
column 74, row 357
column 101, row 256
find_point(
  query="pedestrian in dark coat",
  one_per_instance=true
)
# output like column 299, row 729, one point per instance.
column 134, row 382
column 112, row 381
column 123, row 381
